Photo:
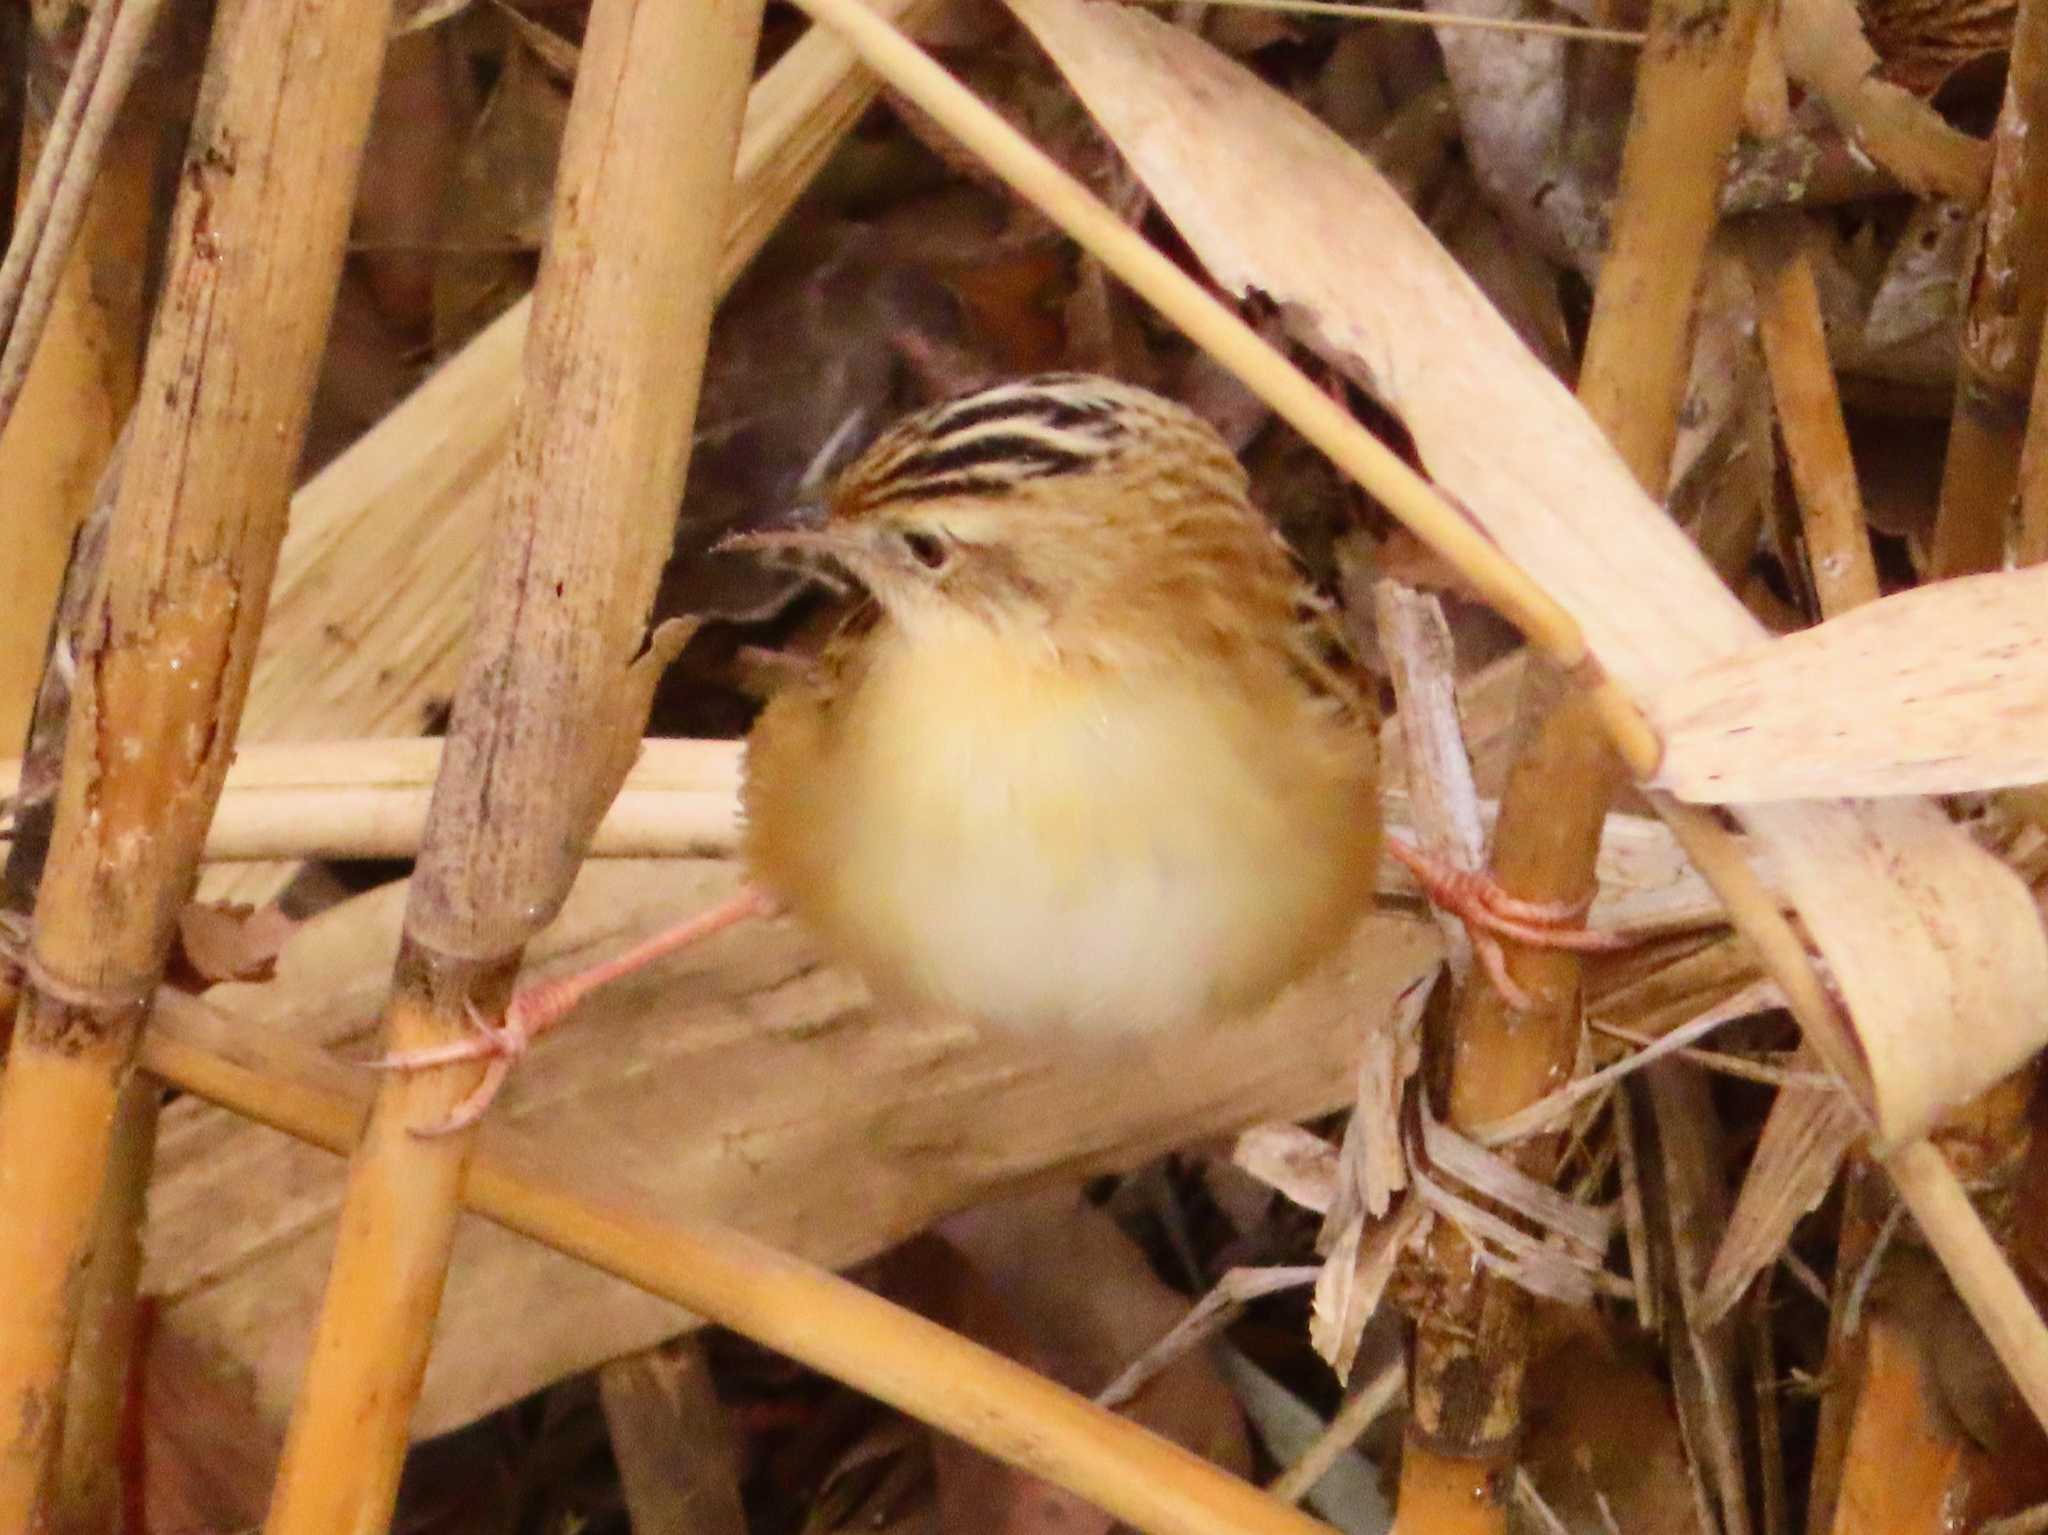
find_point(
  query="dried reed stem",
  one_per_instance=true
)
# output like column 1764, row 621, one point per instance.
column 80, row 385
column 1471, row 1347
column 2008, row 288
column 546, row 720
column 991, row 1402
column 1795, row 347
column 65, row 175
column 255, row 250
column 75, row 361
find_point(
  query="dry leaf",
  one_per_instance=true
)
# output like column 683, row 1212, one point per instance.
column 1938, row 690
column 1919, row 926
column 1804, row 1140
column 225, row 942
column 500, row 202
column 1088, row 1298
column 975, row 1490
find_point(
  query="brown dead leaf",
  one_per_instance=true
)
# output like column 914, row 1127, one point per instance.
column 1937, row 690
column 1808, row 1133
column 1603, row 1429
column 408, row 162
column 977, row 1492
column 219, row 942
column 209, row 1455
column 501, row 200
column 1090, row 1303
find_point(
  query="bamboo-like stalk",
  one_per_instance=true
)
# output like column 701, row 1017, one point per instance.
column 255, row 251
column 1471, row 1347
column 2002, row 330
column 68, row 379
column 79, row 387
column 989, row 1401
column 87, row 1496
column 546, row 719
column 1795, row 347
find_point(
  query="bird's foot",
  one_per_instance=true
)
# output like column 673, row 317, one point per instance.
column 1491, row 913
column 536, row 1009
column 498, row 1045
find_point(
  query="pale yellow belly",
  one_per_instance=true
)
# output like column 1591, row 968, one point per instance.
column 1040, row 848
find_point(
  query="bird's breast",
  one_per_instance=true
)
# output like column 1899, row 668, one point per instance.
column 987, row 828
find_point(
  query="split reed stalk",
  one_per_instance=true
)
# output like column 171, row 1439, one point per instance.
column 2008, row 288
column 1795, row 345
column 82, row 380
column 1472, row 1345
column 255, row 252
column 817, row 1318
column 77, row 347
column 545, row 720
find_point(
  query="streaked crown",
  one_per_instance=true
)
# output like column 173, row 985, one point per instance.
column 1054, row 427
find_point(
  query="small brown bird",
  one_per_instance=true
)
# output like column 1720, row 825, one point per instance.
column 1089, row 757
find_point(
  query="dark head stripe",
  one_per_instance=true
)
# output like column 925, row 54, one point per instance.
column 1036, row 409
column 1032, row 456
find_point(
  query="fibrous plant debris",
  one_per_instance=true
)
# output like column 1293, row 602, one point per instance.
column 1678, row 1263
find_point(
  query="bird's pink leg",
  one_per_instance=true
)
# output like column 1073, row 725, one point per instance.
column 1480, row 903
column 536, row 1009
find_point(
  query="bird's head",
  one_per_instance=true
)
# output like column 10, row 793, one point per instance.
column 1063, row 498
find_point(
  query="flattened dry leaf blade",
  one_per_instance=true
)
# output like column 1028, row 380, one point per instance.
column 1919, row 927
column 1939, row 690
column 1804, row 1140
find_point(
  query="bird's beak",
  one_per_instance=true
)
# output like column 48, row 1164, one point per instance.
column 828, row 554
column 837, row 547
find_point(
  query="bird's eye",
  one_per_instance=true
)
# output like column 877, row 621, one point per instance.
column 928, row 549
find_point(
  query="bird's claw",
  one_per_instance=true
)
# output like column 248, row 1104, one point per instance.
column 498, row 1045
column 1491, row 913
